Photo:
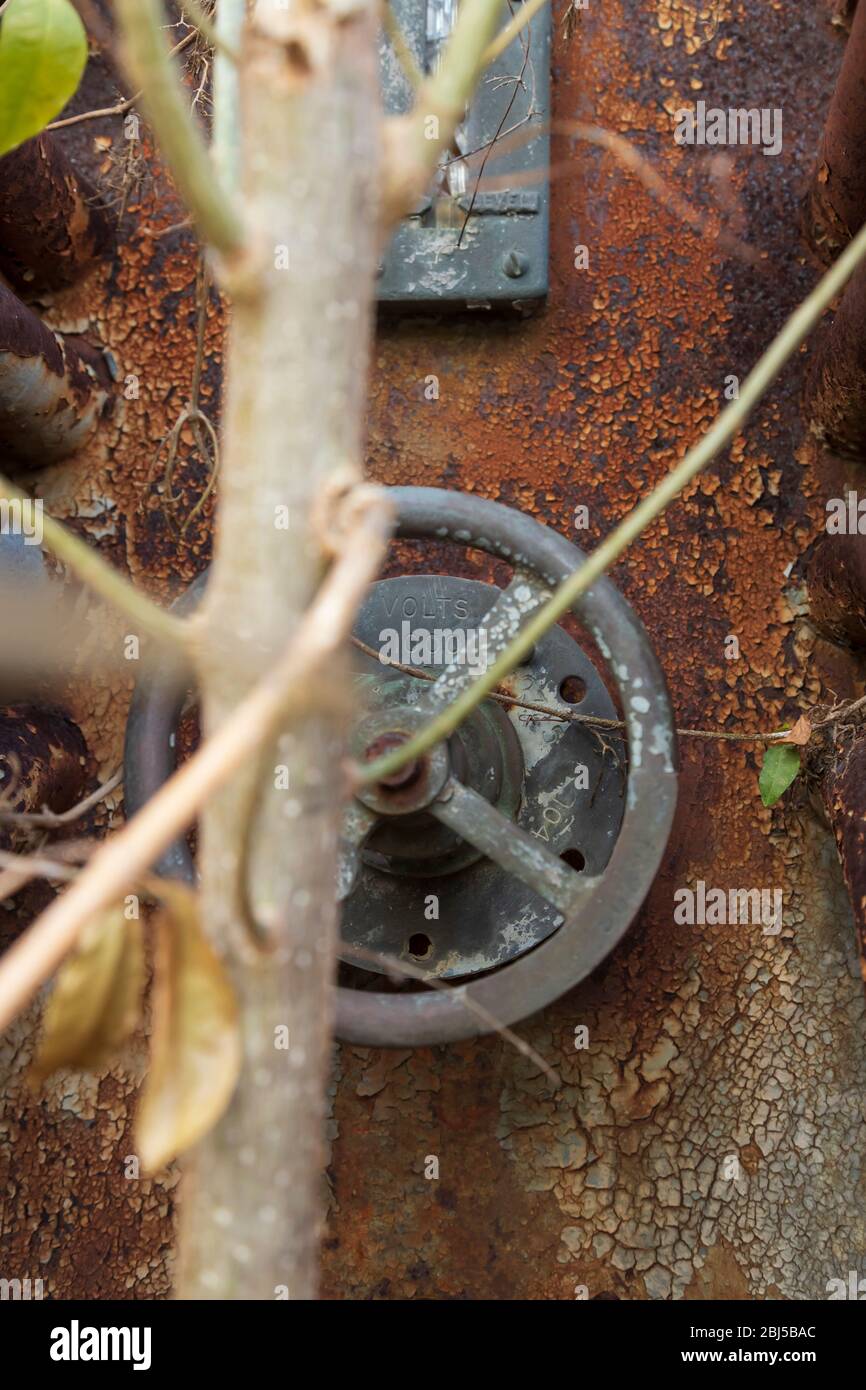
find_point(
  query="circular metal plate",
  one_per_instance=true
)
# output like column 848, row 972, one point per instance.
column 600, row 916
column 570, row 795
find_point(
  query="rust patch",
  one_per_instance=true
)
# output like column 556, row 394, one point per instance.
column 835, row 206
column 52, row 224
column 44, row 763
column 53, row 390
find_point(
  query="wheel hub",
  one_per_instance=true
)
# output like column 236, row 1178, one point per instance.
column 423, row 894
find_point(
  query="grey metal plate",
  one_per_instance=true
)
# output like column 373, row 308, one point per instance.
column 431, row 262
column 486, row 916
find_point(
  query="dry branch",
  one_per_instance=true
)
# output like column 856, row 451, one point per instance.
column 288, row 688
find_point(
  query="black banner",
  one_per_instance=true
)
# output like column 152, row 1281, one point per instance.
column 85, row 1340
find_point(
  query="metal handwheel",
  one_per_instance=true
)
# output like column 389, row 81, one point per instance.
column 513, row 856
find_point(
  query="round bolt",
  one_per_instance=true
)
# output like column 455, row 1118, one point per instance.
column 386, row 743
column 515, row 264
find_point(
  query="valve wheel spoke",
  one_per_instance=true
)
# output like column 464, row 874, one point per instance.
column 500, row 625
column 358, row 822
column 512, row 848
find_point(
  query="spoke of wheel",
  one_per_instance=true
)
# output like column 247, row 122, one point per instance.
column 358, row 821
column 499, row 626
column 519, row 853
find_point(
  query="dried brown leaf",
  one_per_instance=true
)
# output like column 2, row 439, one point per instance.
column 96, row 999
column 799, row 734
column 195, row 1046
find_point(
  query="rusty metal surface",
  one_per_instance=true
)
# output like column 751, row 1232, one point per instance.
column 835, row 386
column 43, row 764
column 54, row 388
column 703, row 1042
column 836, row 202
column 52, row 223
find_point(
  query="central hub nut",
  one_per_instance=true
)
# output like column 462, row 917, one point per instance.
column 404, row 776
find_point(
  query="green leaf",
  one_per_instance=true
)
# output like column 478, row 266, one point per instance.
column 780, row 766
column 43, row 50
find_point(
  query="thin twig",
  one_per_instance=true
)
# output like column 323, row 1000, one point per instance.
column 192, row 415
column 595, row 721
column 213, row 210
column 53, row 819
column 193, row 12
column 390, row 965
column 836, row 713
column 628, row 157
column 103, row 578
column 518, row 83
column 288, row 689
column 510, row 31
column 20, row 869
column 33, row 866
column 725, row 426
column 412, row 156
column 121, row 107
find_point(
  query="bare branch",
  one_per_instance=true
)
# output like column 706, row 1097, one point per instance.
column 212, row 27
column 414, row 142
column 55, row 819
column 121, row 107
column 21, row 869
column 93, row 571
column 226, row 128
column 391, row 966
column 290, row 687
column 213, row 210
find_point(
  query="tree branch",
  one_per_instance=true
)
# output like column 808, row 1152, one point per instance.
column 121, row 107
column 519, row 20
column 103, row 579
column 226, row 129
column 414, row 142
column 289, row 688
column 55, row 819
column 217, row 34
column 213, row 211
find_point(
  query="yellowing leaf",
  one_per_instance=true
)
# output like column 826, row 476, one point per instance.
column 96, row 999
column 43, row 50
column 195, row 1046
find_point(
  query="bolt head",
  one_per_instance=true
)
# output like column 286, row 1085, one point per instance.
column 515, row 264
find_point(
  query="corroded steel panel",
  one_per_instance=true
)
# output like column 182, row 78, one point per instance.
column 704, row 1042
